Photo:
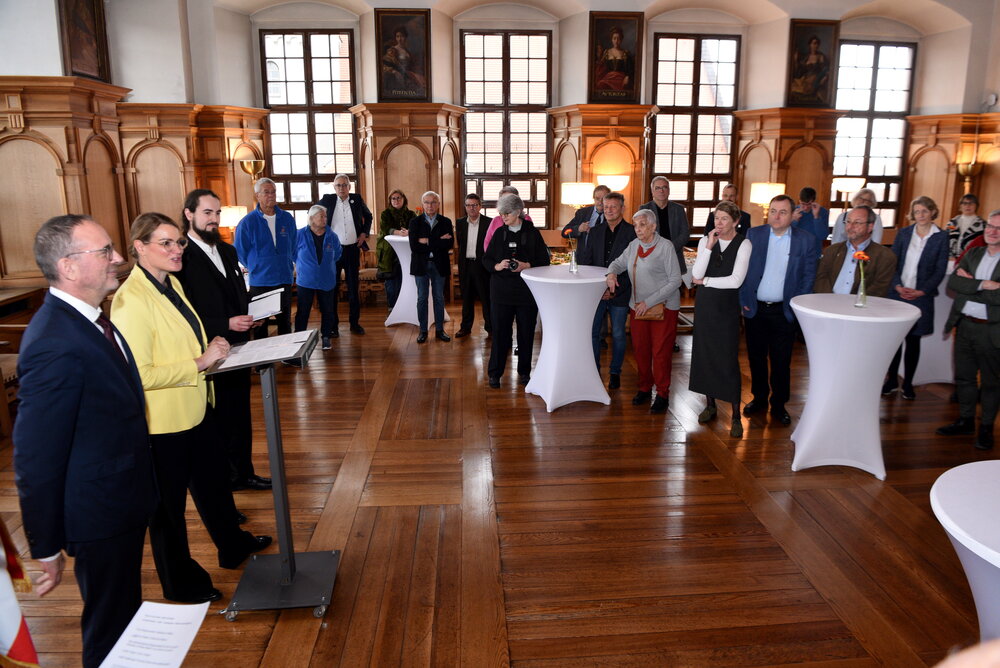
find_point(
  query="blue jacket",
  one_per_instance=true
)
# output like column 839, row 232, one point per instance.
column 312, row 274
column 818, row 226
column 799, row 277
column 931, row 267
column 268, row 265
column 82, row 462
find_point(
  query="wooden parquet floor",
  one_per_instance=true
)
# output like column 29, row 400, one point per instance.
column 477, row 529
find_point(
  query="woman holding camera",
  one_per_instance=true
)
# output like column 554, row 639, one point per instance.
column 514, row 247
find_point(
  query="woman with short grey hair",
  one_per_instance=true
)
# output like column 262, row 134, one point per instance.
column 652, row 267
column 515, row 247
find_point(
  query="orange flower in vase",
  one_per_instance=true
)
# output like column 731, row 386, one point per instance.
column 862, row 258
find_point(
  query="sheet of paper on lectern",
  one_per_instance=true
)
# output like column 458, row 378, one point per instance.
column 160, row 635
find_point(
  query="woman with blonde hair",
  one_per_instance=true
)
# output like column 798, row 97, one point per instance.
column 921, row 260
column 171, row 351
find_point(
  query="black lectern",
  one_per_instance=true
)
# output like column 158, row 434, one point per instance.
column 287, row 579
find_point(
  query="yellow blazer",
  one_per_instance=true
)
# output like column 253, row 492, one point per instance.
column 165, row 349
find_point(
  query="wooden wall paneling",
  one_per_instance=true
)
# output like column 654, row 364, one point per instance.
column 427, row 129
column 567, row 167
column 51, row 122
column 606, row 137
column 225, row 136
column 807, row 166
column 103, row 191
column 931, row 174
column 29, row 195
column 158, row 141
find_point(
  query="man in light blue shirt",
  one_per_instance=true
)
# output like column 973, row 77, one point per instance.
column 782, row 266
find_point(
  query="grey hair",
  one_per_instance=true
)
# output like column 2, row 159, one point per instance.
column 54, row 241
column 993, row 214
column 658, row 178
column 434, row 194
column 314, row 209
column 868, row 211
column 262, row 181
column 343, row 176
column 508, row 190
column 648, row 215
column 509, row 203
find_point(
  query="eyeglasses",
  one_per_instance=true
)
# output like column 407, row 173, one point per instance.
column 168, row 244
column 109, row 252
column 995, row 228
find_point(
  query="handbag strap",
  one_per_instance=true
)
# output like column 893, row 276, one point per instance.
column 635, row 295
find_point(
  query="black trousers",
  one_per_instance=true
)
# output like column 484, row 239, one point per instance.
column 503, row 319
column 283, row 319
column 977, row 371
column 109, row 574
column 350, row 264
column 770, row 335
column 232, row 413
column 192, row 460
column 475, row 283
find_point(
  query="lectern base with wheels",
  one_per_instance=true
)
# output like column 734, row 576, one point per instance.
column 287, row 579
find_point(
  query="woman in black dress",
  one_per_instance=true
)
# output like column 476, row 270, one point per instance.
column 719, row 270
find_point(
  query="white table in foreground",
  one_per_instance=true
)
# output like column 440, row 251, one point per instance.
column 849, row 352
column 405, row 310
column 965, row 500
column 565, row 371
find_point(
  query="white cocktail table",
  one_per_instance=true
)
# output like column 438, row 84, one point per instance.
column 936, row 363
column 849, row 352
column 965, row 500
column 405, row 310
column 565, row 371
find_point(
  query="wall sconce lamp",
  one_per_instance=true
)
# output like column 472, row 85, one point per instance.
column 762, row 193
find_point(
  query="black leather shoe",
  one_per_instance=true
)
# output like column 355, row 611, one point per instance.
column 443, row 336
column 782, row 416
column 254, row 482
column 908, row 392
column 959, row 427
column 660, row 404
column 422, row 338
column 335, row 334
column 754, row 406
column 677, row 348
column 212, row 594
column 494, row 382
column 888, row 388
column 615, row 381
column 523, row 378
column 462, row 333
column 240, row 518
column 357, row 329
column 984, row 440
column 257, row 543
column 641, row 398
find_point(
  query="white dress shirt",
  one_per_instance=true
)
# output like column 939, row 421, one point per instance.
column 211, row 251
column 342, row 222
column 908, row 276
column 470, row 241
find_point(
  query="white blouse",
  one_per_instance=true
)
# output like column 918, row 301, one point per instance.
column 735, row 279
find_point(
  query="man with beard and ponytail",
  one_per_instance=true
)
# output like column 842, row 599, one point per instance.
column 213, row 281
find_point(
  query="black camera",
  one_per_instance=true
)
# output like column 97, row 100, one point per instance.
column 512, row 264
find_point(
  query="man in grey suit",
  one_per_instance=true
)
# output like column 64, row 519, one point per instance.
column 587, row 217
column 975, row 316
column 671, row 217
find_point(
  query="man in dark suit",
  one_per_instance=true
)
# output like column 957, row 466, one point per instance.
column 729, row 195
column 470, row 231
column 975, row 315
column 605, row 244
column 350, row 218
column 838, row 270
column 213, row 283
column 82, row 461
column 586, row 218
column 671, row 218
column 782, row 266
column 430, row 241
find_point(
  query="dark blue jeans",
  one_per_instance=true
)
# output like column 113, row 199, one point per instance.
column 327, row 300
column 436, row 282
column 619, row 315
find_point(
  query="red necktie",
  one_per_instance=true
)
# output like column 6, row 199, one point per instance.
column 109, row 333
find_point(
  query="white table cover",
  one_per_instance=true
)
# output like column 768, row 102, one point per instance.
column 849, row 351
column 405, row 310
column 965, row 500
column 937, row 363
column 565, row 371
